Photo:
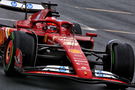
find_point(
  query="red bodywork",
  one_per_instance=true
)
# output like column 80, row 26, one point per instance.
column 62, row 36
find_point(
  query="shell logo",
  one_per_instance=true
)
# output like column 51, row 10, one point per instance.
column 75, row 51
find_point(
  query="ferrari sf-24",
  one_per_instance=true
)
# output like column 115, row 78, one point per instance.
column 43, row 45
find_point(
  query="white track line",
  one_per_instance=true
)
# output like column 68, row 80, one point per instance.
column 118, row 31
column 104, row 10
column 4, row 19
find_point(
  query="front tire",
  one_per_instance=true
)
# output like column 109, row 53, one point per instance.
column 20, row 51
column 120, row 61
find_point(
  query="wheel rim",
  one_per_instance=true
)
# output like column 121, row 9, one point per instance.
column 18, row 58
column 9, row 52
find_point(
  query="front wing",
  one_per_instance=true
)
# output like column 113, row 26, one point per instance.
column 99, row 77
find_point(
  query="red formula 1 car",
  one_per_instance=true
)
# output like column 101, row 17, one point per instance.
column 42, row 45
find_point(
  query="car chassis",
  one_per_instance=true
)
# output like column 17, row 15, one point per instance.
column 67, row 43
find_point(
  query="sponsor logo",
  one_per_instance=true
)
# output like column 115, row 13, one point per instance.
column 83, row 68
column 56, row 68
column 76, row 55
column 62, row 69
column 81, row 61
column 29, row 5
column 104, row 74
column 14, row 4
column 74, row 51
column 71, row 43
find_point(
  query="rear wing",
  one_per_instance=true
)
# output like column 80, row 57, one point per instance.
column 27, row 7
column 21, row 6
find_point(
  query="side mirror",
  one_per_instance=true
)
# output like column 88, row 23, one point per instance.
column 91, row 34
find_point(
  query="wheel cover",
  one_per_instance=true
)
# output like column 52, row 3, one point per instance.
column 9, row 52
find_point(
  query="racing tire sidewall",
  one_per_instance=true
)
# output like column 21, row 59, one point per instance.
column 120, row 61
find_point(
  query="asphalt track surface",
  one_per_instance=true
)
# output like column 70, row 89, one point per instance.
column 112, row 19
